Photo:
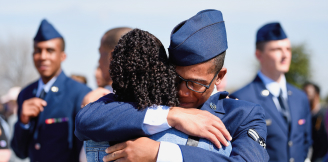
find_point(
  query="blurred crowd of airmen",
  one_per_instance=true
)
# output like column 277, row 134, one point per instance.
column 37, row 122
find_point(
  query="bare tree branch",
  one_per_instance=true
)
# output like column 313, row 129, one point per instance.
column 16, row 64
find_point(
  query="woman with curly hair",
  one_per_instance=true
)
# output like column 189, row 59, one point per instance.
column 141, row 72
column 143, row 76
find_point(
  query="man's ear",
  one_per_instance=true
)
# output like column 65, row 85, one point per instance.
column 221, row 75
column 258, row 54
column 63, row 56
column 110, row 54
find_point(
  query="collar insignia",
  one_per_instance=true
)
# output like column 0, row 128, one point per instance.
column 54, row 89
column 212, row 106
column 265, row 93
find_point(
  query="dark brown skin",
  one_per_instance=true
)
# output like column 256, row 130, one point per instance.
column 47, row 57
column 32, row 108
column 185, row 118
column 104, row 61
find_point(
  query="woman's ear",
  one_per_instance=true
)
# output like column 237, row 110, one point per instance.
column 221, row 74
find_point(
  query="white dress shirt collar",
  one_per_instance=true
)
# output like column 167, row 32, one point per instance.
column 46, row 87
column 274, row 87
column 214, row 90
column 110, row 88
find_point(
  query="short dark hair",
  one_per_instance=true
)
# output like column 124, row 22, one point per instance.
column 218, row 62
column 141, row 72
column 63, row 44
column 112, row 36
column 260, row 45
column 316, row 87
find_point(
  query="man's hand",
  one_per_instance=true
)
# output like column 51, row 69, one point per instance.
column 199, row 123
column 141, row 149
column 94, row 95
column 31, row 108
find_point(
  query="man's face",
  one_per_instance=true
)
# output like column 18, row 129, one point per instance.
column 99, row 78
column 310, row 92
column 47, row 57
column 104, row 61
column 276, row 56
column 200, row 73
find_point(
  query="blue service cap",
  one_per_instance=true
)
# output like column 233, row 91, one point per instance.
column 46, row 32
column 271, row 31
column 198, row 39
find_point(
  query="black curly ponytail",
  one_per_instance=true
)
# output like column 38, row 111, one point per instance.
column 141, row 72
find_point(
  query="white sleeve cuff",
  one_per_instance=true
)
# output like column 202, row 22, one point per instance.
column 169, row 152
column 156, row 119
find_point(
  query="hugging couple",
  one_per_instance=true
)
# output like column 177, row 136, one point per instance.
column 167, row 109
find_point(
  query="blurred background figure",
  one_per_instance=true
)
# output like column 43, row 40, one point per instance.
column 9, row 101
column 5, row 152
column 99, row 78
column 79, row 78
column 287, row 112
column 47, row 107
column 104, row 81
column 107, row 44
column 319, row 132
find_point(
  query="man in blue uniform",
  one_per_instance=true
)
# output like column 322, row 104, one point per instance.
column 287, row 111
column 107, row 45
column 47, row 107
column 198, row 47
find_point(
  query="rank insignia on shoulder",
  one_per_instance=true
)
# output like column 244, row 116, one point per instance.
column 256, row 137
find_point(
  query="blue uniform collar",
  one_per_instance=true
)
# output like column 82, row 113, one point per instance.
column 267, row 102
column 274, row 87
column 215, row 103
column 45, row 87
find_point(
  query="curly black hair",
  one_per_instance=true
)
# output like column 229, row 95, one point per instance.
column 141, row 72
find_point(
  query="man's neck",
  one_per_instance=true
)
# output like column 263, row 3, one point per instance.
column 110, row 83
column 315, row 107
column 45, row 80
column 275, row 76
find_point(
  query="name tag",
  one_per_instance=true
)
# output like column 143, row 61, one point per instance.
column 56, row 120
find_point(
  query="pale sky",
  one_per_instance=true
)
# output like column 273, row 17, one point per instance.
column 82, row 23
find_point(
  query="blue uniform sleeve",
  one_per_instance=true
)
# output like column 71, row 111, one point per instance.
column 107, row 120
column 244, row 148
column 20, row 140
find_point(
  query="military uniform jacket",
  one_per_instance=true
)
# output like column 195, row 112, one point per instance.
column 282, row 144
column 107, row 120
column 50, row 136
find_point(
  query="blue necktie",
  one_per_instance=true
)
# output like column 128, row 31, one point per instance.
column 42, row 94
column 284, row 107
column 36, row 133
